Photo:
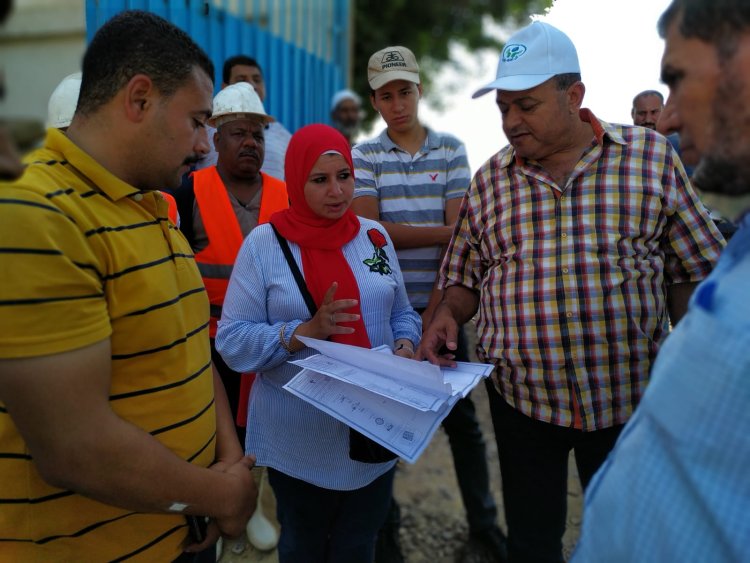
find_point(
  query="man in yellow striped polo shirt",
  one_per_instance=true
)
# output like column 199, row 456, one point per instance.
column 114, row 430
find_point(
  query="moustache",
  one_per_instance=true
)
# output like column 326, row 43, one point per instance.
column 514, row 132
column 195, row 159
column 251, row 153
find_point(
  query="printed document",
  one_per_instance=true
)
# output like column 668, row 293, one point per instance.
column 399, row 403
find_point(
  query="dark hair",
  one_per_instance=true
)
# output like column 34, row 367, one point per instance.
column 566, row 80
column 645, row 93
column 718, row 22
column 231, row 62
column 136, row 42
column 6, row 7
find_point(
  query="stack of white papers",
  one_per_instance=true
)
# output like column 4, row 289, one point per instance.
column 397, row 402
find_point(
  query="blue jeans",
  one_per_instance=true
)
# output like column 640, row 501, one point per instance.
column 325, row 526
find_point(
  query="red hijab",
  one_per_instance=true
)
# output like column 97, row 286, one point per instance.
column 320, row 239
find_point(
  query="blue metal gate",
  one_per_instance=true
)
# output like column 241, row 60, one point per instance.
column 303, row 46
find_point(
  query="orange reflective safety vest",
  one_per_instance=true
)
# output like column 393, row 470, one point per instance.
column 172, row 211
column 216, row 261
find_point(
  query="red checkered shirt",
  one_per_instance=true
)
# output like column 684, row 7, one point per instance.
column 572, row 280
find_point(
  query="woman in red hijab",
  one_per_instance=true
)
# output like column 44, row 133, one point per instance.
column 332, row 495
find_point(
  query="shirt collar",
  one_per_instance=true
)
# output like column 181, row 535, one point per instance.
column 102, row 178
column 603, row 132
column 432, row 141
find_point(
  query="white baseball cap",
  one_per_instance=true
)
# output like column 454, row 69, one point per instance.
column 531, row 56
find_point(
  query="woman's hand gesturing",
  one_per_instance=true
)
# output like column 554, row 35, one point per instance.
column 327, row 320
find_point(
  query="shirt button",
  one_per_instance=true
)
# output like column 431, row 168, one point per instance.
column 564, row 235
column 565, row 270
column 138, row 197
column 569, row 315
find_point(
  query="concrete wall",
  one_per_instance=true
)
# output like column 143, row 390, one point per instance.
column 41, row 42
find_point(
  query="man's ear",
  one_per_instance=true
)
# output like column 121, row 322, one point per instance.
column 140, row 95
column 575, row 93
column 419, row 89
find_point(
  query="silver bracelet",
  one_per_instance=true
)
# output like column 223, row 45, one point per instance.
column 284, row 344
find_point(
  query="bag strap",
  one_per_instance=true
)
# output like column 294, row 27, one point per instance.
column 309, row 301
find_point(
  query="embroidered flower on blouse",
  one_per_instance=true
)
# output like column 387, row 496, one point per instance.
column 379, row 261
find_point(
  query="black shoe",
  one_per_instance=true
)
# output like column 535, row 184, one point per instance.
column 489, row 546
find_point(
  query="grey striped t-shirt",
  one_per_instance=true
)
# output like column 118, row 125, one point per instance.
column 412, row 190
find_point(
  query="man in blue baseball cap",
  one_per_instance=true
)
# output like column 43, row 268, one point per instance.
column 574, row 244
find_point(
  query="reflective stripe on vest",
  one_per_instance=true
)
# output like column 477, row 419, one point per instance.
column 216, row 261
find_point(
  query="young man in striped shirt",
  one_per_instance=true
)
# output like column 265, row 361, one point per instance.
column 575, row 243
column 412, row 180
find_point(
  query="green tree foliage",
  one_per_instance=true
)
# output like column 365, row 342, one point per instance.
column 428, row 28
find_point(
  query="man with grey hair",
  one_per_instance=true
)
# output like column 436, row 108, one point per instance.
column 574, row 243
column 676, row 486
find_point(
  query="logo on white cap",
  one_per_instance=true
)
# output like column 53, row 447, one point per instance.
column 513, row 52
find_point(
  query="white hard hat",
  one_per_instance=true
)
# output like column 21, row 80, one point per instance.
column 237, row 101
column 63, row 101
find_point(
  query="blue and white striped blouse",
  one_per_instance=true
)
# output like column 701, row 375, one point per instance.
column 283, row 431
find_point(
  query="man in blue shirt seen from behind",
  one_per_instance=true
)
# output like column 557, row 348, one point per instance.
column 677, row 485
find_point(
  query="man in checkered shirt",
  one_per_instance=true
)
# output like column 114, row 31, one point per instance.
column 576, row 245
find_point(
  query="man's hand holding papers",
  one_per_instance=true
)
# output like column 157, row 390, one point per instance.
column 397, row 402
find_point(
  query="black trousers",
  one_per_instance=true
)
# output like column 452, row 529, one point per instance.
column 534, row 468
column 470, row 457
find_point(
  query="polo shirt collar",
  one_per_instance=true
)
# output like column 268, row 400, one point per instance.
column 603, row 132
column 432, row 142
column 112, row 186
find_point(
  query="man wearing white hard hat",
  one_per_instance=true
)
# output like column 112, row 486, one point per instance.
column 346, row 113
column 574, row 244
column 219, row 206
column 241, row 68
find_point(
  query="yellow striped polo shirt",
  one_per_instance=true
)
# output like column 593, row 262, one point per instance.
column 85, row 257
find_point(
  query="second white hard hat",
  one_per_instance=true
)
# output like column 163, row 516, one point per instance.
column 237, row 101
column 63, row 101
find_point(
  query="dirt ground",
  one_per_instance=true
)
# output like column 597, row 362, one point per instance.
column 433, row 522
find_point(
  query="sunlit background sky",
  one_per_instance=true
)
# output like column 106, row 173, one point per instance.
column 619, row 51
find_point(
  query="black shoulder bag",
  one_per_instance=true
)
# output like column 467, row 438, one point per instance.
column 361, row 448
